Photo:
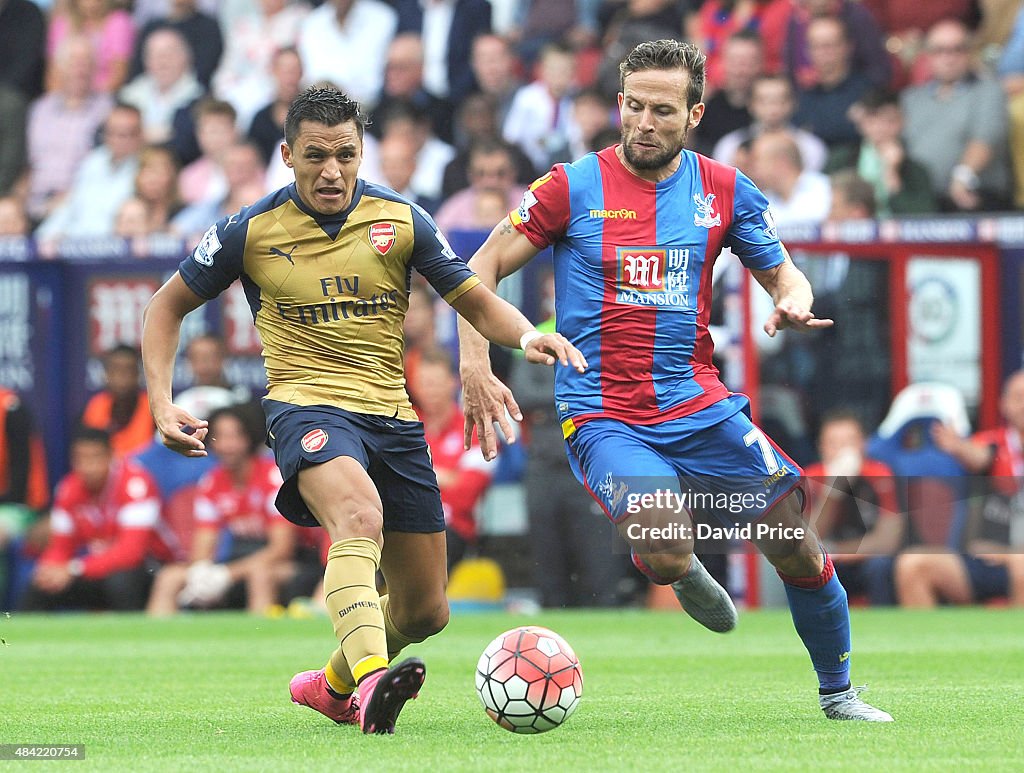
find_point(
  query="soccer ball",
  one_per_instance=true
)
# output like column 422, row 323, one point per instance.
column 529, row 680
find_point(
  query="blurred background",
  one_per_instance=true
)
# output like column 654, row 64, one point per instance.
column 888, row 137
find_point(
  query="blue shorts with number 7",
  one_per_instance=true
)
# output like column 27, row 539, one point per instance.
column 716, row 461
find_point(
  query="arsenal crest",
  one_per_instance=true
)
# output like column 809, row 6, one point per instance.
column 314, row 440
column 382, row 237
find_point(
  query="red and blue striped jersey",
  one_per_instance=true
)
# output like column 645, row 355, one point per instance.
column 633, row 262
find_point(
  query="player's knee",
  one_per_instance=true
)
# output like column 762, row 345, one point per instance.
column 910, row 569
column 359, row 521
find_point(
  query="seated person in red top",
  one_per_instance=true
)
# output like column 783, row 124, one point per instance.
column 463, row 476
column 102, row 530
column 122, row 408
column 234, row 505
column 992, row 565
column 854, row 507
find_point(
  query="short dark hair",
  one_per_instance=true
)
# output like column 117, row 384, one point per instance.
column 211, row 106
column 249, row 418
column 856, row 189
column 125, row 350
column 84, row 434
column 668, row 54
column 877, row 98
column 322, row 104
column 840, row 415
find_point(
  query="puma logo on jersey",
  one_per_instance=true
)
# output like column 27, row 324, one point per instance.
column 286, row 255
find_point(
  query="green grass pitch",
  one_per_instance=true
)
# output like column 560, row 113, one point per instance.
column 209, row 693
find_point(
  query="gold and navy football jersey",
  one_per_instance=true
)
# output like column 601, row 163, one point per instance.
column 329, row 293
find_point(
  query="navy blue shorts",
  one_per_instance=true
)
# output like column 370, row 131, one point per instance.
column 987, row 580
column 392, row 451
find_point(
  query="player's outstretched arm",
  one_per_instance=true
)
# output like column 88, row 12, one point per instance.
column 792, row 295
column 161, row 328
column 485, row 398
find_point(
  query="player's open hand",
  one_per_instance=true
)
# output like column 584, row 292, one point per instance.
column 790, row 314
column 180, row 431
column 548, row 348
column 486, row 402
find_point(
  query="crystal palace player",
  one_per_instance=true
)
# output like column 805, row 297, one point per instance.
column 636, row 229
column 325, row 263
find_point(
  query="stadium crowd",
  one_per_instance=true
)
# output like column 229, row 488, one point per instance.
column 154, row 118
column 174, row 108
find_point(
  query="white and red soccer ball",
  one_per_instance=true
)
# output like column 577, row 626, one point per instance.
column 529, row 680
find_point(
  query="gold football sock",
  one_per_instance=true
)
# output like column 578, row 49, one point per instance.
column 340, row 678
column 354, row 606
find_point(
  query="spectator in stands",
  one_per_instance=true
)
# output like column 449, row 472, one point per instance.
column 823, row 108
column 718, row 20
column 210, row 387
column 477, row 121
column 902, row 185
column 110, row 32
column 540, row 117
column 362, row 29
column 12, row 138
column 796, row 195
column 23, row 43
column 491, row 170
column 727, row 109
column 132, row 224
column 13, row 217
column 420, row 330
column 404, row 120
column 541, row 22
column 904, row 23
column 22, row 464
column 234, row 505
column 23, row 486
column 571, row 541
column 992, row 564
column 633, row 22
column 867, row 54
column 167, row 84
column 62, row 125
column 216, row 131
column 463, row 476
column 398, row 166
column 121, row 408
column 590, row 117
column 200, row 32
column 403, row 79
column 156, row 185
column 448, row 29
column 245, row 176
column 102, row 530
column 1011, row 73
column 105, row 178
column 267, row 127
column 854, row 508
column 772, row 105
column 245, row 76
column 494, row 68
column 853, row 197
column 956, row 125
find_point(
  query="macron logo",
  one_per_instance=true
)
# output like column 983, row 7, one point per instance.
column 613, row 214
